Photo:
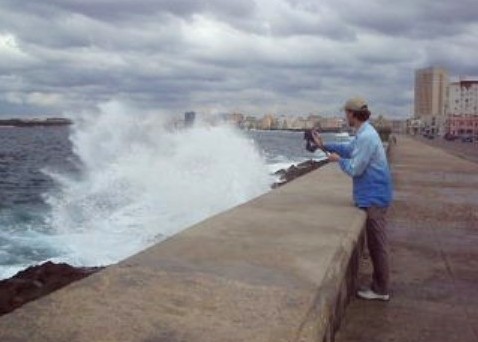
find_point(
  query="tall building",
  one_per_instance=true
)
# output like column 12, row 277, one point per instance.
column 431, row 97
column 430, row 92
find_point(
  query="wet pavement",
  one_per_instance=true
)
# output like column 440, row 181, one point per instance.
column 433, row 233
column 465, row 150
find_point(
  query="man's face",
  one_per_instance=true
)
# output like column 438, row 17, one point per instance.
column 350, row 118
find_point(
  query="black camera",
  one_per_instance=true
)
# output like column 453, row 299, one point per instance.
column 310, row 144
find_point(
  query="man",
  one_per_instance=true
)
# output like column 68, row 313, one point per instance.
column 364, row 159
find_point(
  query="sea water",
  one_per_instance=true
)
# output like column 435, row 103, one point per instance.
column 113, row 184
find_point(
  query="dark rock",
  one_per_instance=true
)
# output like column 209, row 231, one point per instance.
column 35, row 122
column 38, row 281
column 287, row 175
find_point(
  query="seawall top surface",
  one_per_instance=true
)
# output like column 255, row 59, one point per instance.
column 433, row 235
column 258, row 272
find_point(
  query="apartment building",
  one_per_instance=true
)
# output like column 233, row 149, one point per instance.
column 463, row 98
column 431, row 97
column 462, row 109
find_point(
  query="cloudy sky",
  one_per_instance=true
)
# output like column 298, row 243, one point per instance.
column 58, row 57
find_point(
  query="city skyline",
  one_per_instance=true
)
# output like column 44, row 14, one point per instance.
column 282, row 56
column 445, row 106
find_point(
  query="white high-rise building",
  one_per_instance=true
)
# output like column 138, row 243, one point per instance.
column 462, row 109
column 463, row 98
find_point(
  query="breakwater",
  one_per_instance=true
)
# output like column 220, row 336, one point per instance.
column 40, row 280
column 35, row 122
column 278, row 268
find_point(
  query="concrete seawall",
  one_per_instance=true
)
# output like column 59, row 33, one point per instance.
column 278, row 268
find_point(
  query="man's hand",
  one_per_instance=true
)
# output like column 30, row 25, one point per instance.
column 333, row 157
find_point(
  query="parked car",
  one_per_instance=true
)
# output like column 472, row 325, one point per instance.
column 450, row 137
column 467, row 138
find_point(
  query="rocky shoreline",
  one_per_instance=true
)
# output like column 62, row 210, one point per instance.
column 35, row 122
column 40, row 280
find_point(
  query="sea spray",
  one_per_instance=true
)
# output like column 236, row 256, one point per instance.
column 141, row 183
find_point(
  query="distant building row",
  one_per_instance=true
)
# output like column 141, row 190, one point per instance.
column 266, row 122
column 282, row 122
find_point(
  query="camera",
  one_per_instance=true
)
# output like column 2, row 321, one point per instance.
column 310, row 144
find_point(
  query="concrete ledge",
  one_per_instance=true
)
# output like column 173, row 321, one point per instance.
column 278, row 268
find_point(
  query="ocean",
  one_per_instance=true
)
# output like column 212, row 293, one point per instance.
column 95, row 193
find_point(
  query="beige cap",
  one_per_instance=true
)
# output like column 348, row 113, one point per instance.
column 356, row 104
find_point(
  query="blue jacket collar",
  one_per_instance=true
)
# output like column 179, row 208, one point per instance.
column 362, row 128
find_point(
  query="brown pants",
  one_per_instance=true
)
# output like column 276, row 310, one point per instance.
column 378, row 248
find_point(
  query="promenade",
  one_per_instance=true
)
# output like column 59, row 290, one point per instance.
column 433, row 232
column 465, row 150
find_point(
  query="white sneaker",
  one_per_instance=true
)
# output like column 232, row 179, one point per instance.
column 371, row 295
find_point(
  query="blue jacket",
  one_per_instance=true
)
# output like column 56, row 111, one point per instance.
column 364, row 159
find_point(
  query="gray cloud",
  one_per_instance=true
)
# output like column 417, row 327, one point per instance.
column 423, row 19
column 284, row 56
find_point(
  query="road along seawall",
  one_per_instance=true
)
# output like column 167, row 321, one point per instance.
column 278, row 268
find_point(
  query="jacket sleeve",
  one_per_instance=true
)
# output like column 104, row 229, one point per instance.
column 360, row 157
column 344, row 150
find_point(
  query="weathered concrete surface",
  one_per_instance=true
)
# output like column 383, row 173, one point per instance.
column 434, row 253
column 272, row 269
column 465, row 150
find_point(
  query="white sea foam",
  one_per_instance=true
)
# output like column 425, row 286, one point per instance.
column 141, row 183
